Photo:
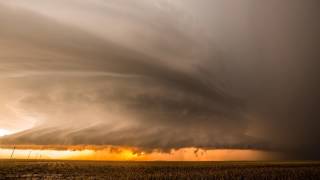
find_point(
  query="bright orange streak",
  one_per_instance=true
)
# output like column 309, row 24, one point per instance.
column 125, row 154
column 44, row 154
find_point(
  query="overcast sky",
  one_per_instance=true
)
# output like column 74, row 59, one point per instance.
column 161, row 74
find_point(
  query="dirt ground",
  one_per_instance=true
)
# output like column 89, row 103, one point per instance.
column 20, row 169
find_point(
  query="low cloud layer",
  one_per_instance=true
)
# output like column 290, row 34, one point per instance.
column 160, row 74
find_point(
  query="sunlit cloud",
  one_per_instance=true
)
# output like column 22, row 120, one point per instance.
column 4, row 132
column 165, row 77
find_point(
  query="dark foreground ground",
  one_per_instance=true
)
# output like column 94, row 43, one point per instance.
column 16, row 169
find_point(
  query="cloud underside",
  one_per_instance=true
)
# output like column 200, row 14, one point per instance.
column 81, row 88
column 91, row 91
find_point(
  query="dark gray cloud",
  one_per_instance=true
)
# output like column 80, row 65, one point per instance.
column 177, row 75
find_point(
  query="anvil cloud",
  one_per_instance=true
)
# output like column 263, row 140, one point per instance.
column 160, row 74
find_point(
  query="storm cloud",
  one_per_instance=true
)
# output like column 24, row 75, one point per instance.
column 160, row 74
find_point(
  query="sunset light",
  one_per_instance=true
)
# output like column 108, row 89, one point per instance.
column 159, row 89
column 128, row 154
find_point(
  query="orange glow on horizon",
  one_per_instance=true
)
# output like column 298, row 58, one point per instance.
column 128, row 154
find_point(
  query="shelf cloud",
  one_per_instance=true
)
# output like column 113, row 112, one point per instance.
column 161, row 74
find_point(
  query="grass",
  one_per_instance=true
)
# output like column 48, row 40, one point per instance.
column 13, row 169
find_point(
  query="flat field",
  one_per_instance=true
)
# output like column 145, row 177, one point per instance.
column 21, row 169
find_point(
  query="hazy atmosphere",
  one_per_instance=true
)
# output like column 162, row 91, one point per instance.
column 158, row 75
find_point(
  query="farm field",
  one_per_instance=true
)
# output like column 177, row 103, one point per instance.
column 22, row 169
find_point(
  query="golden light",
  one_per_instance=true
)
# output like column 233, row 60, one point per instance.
column 131, row 154
column 43, row 154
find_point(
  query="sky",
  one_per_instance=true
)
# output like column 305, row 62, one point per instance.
column 161, row 76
